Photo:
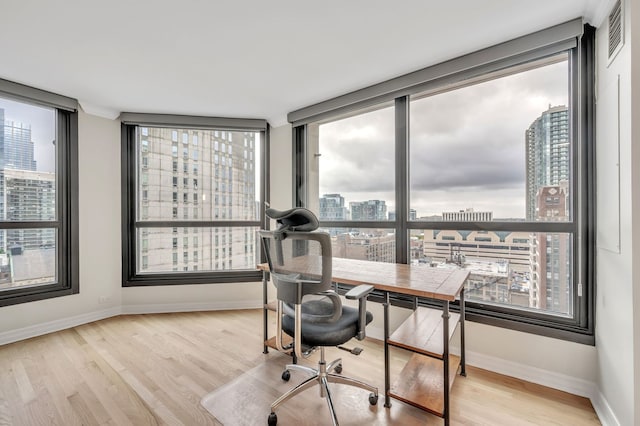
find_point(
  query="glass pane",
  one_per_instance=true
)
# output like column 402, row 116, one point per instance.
column 517, row 269
column 353, row 165
column 29, row 259
column 197, row 249
column 202, row 175
column 499, row 149
column 27, row 162
column 377, row 245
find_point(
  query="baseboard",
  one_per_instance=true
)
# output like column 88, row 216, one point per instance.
column 56, row 325
column 64, row 323
column 159, row 308
column 603, row 409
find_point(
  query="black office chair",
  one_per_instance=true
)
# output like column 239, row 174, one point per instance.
column 300, row 266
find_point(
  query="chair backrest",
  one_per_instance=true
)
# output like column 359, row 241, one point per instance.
column 299, row 262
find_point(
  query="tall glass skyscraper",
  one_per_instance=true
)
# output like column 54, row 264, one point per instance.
column 548, row 152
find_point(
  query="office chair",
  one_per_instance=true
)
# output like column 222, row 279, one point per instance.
column 300, row 266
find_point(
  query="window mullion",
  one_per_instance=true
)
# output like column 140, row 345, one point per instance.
column 402, row 177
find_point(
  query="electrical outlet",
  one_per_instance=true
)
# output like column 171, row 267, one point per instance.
column 104, row 299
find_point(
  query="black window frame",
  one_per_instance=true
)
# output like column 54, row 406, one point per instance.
column 571, row 37
column 66, row 220
column 130, row 277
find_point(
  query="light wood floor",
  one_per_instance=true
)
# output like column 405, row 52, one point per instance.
column 154, row 369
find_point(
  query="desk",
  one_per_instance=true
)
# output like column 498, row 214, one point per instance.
column 426, row 332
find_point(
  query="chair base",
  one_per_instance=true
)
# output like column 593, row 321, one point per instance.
column 322, row 376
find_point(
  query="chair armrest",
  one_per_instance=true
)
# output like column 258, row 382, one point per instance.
column 360, row 294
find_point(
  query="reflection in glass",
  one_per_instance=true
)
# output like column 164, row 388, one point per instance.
column 197, row 249
column 519, row 269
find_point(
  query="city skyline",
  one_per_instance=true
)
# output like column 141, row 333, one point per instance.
column 43, row 131
column 485, row 141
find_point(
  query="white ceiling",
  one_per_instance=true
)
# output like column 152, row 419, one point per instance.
column 248, row 58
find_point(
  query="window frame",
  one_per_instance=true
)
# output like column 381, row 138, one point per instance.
column 130, row 277
column 564, row 38
column 66, row 220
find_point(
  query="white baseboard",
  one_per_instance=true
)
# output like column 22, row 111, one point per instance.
column 160, row 308
column 56, row 325
column 603, row 409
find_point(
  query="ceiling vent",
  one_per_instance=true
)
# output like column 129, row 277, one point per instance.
column 615, row 30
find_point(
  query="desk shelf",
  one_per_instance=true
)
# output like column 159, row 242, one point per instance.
column 421, row 383
column 422, row 332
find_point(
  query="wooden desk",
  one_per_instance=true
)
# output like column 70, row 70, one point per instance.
column 426, row 379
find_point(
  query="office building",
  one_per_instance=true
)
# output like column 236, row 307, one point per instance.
column 332, row 207
column 550, row 272
column 412, row 215
column 547, row 154
column 368, row 210
column 377, row 246
column 211, row 177
column 467, row 215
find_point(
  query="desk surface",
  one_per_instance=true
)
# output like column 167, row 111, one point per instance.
column 415, row 280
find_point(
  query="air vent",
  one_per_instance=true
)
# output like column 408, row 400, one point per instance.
column 615, row 29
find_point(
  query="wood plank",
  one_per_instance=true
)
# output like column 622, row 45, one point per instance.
column 287, row 340
column 272, row 306
column 422, row 332
column 421, row 383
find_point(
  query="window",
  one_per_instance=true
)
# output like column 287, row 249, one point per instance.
column 499, row 185
column 169, row 212
column 38, row 195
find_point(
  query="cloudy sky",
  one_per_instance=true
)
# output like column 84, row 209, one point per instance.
column 467, row 146
column 42, row 121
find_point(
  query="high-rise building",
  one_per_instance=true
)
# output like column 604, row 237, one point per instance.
column 368, row 210
column 332, row 207
column 547, row 154
column 413, row 214
column 30, row 196
column 550, row 270
column 548, row 165
column 192, row 174
column 22, row 195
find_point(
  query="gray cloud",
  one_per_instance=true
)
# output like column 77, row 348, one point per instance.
column 467, row 145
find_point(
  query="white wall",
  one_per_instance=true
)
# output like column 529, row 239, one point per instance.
column 616, row 279
column 99, row 226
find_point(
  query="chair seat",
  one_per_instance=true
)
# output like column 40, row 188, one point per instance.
column 326, row 333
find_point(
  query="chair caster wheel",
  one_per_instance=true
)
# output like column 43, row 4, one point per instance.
column 373, row 399
column 338, row 369
column 286, row 375
column 273, row 419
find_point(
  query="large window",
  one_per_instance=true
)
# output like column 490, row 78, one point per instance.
column 487, row 168
column 38, row 195
column 193, row 205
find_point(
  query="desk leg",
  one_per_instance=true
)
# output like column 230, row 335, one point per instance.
column 445, row 332
column 463, row 371
column 265, row 314
column 387, row 386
